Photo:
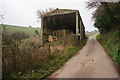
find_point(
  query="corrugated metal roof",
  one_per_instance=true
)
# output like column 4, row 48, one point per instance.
column 60, row 11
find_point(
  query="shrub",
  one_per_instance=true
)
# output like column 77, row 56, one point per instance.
column 19, row 35
column 19, row 58
column 66, row 37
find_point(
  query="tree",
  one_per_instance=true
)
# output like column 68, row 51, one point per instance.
column 30, row 26
column 41, row 12
column 106, row 16
column 36, row 32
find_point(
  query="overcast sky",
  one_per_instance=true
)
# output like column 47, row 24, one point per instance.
column 23, row 12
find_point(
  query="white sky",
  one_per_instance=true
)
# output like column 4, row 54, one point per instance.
column 23, row 12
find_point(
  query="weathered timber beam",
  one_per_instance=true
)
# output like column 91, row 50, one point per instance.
column 77, row 23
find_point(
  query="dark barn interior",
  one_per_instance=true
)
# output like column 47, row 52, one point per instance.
column 60, row 19
column 57, row 22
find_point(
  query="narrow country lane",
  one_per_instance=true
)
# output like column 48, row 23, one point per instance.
column 90, row 62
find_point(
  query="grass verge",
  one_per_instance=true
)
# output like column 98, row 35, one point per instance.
column 110, row 42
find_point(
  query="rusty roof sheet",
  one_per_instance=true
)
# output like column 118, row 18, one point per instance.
column 59, row 12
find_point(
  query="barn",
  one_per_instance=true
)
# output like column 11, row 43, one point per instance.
column 59, row 19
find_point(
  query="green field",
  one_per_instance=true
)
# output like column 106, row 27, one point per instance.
column 90, row 34
column 27, row 30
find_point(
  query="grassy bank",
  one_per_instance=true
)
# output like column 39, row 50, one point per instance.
column 111, row 42
column 52, row 63
column 28, row 30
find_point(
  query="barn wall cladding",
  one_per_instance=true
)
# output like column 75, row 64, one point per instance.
column 62, row 19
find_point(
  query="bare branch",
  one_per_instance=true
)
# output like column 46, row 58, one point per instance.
column 41, row 12
column 92, row 5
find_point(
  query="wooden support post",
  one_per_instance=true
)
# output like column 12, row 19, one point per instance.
column 81, row 30
column 77, row 23
column 41, row 31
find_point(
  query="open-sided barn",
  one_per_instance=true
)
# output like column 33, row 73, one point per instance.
column 62, row 19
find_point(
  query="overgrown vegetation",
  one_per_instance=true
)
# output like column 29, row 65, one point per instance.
column 28, row 60
column 52, row 63
column 20, row 57
column 66, row 37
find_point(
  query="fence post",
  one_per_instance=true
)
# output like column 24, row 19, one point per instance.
column 49, row 47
